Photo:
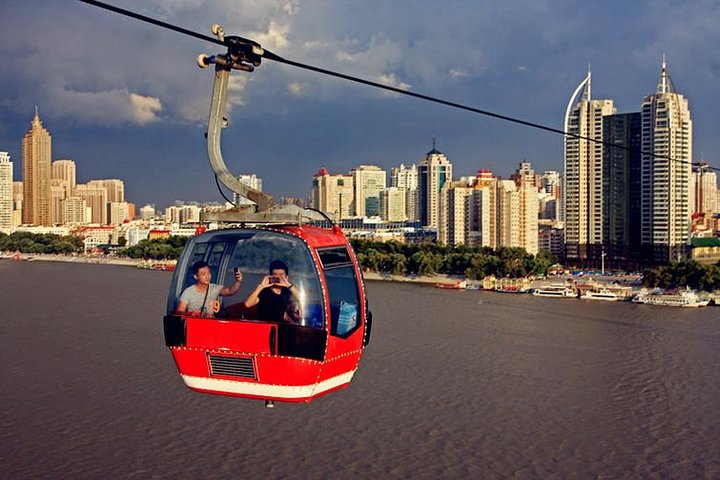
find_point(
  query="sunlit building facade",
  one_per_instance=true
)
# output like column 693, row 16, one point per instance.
column 665, row 178
column 704, row 191
column 6, row 192
column 583, row 192
column 368, row 181
column 333, row 194
column 65, row 171
column 95, row 197
column 406, row 179
column 392, row 205
column 36, row 154
column 76, row 211
column 17, row 193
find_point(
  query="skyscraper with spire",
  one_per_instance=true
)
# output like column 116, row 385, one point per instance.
column 36, row 155
column 665, row 195
column 583, row 192
column 433, row 172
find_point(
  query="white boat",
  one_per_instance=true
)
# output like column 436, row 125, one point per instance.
column 681, row 298
column 600, row 294
column 554, row 290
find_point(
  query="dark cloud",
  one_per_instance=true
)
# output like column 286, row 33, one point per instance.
column 126, row 99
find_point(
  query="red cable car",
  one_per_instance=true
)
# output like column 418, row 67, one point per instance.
column 311, row 345
column 312, row 351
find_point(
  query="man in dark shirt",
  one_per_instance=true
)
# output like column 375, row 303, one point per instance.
column 273, row 294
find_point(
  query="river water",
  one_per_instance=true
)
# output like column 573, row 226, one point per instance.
column 454, row 384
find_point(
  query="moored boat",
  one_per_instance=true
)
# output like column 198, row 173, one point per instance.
column 554, row 290
column 600, row 294
column 681, row 298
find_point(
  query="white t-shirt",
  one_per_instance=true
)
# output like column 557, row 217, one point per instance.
column 194, row 299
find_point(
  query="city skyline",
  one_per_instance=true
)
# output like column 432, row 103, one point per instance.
column 142, row 120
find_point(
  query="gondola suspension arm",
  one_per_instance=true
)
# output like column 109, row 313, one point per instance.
column 241, row 55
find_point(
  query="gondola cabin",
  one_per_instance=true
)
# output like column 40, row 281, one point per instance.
column 309, row 350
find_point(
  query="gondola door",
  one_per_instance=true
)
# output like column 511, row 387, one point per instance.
column 346, row 304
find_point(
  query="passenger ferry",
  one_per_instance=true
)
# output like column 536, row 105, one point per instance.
column 554, row 290
column 600, row 294
column 682, row 298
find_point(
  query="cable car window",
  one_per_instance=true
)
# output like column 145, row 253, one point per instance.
column 252, row 255
column 343, row 291
column 215, row 257
column 197, row 254
column 334, row 257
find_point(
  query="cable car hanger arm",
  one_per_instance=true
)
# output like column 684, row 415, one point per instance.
column 241, row 55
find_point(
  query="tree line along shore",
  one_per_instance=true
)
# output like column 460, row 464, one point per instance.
column 393, row 258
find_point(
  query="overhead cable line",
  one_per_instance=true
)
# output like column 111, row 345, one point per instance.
column 277, row 58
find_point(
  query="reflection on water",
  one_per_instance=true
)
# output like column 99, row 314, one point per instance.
column 455, row 384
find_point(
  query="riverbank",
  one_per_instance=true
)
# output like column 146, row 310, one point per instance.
column 91, row 259
column 581, row 282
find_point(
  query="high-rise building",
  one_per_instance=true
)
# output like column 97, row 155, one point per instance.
column 172, row 214
column 550, row 196
column 6, row 192
column 468, row 211
column 434, row 170
column 455, row 210
column 114, row 188
column 75, row 211
column 64, row 170
column 406, row 179
column 583, row 173
column 62, row 186
column 526, row 182
column 368, row 181
column 95, row 196
column 508, row 217
column 333, row 194
column 665, row 179
column 58, row 193
column 525, row 175
column 392, row 204
column 484, row 211
column 17, row 203
column 704, row 192
column 551, row 238
column 118, row 212
column 189, row 214
column 36, row 152
column 621, row 187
